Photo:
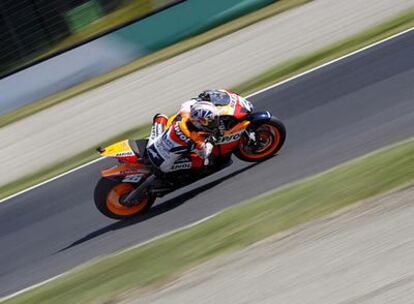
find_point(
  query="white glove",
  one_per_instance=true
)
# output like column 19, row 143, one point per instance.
column 206, row 151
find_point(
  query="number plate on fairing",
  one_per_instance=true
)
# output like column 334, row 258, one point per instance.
column 134, row 178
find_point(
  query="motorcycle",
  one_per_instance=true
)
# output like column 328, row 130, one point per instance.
column 131, row 187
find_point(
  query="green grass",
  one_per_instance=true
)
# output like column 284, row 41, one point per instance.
column 336, row 50
column 164, row 54
column 155, row 263
column 272, row 76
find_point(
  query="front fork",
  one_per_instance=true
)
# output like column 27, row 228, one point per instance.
column 138, row 193
column 251, row 135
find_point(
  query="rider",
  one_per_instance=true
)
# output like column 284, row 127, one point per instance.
column 169, row 149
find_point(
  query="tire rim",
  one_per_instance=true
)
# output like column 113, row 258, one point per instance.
column 113, row 200
column 268, row 136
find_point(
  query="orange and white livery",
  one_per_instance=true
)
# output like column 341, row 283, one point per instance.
column 174, row 146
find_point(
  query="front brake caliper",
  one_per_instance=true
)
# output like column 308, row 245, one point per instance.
column 251, row 135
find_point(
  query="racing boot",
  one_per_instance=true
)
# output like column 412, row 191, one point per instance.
column 159, row 124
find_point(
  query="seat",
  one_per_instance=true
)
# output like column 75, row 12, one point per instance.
column 138, row 146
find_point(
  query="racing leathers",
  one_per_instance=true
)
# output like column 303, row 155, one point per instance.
column 171, row 148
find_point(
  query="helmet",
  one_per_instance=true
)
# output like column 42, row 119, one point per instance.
column 205, row 95
column 203, row 115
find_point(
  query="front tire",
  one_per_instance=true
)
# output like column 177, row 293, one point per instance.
column 270, row 137
column 107, row 197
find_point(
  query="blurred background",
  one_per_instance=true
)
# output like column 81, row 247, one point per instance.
column 69, row 42
column 69, row 82
column 34, row 29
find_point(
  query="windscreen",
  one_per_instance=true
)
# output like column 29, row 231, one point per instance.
column 219, row 98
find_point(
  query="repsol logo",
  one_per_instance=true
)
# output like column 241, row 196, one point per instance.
column 181, row 135
column 122, row 154
column 229, row 138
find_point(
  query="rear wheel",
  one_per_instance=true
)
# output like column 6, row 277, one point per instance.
column 108, row 196
column 269, row 138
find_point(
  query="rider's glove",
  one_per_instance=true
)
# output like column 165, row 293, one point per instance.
column 206, row 152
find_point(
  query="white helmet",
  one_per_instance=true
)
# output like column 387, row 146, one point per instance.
column 203, row 115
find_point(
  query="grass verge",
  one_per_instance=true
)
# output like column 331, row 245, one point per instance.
column 164, row 54
column 105, row 280
column 274, row 75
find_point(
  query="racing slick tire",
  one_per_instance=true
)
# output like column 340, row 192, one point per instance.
column 270, row 137
column 108, row 194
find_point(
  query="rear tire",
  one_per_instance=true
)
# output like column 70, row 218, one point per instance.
column 107, row 195
column 270, row 137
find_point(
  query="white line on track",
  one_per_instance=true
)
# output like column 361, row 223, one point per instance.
column 331, row 62
column 210, row 216
column 51, row 179
column 31, row 287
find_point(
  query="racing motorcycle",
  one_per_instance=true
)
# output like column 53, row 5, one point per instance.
column 131, row 187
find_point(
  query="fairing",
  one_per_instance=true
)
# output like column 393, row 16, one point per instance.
column 237, row 107
column 126, row 169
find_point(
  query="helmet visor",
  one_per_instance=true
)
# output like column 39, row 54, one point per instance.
column 203, row 123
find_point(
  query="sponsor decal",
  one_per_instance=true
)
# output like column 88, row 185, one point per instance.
column 123, row 154
column 181, row 166
column 181, row 135
column 233, row 100
column 166, row 141
column 246, row 104
column 160, row 129
column 229, row 138
column 162, row 149
column 153, row 153
column 153, row 132
column 156, row 130
column 135, row 178
column 122, row 172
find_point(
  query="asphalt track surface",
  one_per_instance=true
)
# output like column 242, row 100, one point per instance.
column 332, row 115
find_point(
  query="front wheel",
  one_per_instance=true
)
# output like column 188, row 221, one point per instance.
column 108, row 195
column 269, row 137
